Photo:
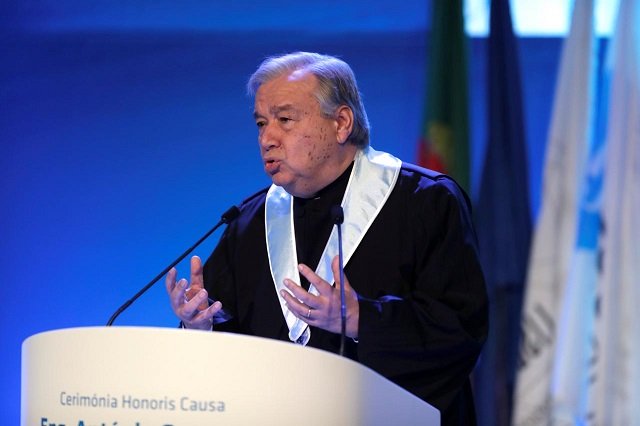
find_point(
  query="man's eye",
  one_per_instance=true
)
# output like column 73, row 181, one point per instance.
column 260, row 124
column 284, row 119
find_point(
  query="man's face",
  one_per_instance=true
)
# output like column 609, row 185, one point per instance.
column 298, row 144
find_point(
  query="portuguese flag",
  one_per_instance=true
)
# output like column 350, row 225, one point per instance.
column 444, row 143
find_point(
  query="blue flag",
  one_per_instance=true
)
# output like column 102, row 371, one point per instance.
column 503, row 220
column 614, row 385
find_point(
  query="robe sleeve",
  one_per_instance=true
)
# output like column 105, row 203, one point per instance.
column 218, row 280
column 427, row 339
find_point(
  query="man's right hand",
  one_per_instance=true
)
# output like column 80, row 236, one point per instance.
column 190, row 304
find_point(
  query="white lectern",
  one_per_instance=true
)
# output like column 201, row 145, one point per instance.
column 138, row 376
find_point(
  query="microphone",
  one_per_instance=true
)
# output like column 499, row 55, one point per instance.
column 337, row 215
column 227, row 217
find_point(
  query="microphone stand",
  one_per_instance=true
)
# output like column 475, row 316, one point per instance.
column 226, row 217
column 338, row 216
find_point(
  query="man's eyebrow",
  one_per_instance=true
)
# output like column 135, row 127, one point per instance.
column 275, row 110
column 280, row 108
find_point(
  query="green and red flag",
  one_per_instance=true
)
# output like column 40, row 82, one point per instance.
column 444, row 143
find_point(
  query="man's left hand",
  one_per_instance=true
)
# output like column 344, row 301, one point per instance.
column 323, row 310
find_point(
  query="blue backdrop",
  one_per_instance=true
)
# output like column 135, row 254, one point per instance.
column 122, row 145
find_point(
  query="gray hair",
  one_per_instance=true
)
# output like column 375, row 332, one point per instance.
column 336, row 86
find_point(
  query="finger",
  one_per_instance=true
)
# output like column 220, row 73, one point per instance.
column 321, row 285
column 293, row 296
column 203, row 319
column 296, row 307
column 196, row 273
column 170, row 280
column 191, row 293
column 297, row 291
column 177, row 294
column 335, row 268
column 352, row 305
column 197, row 282
column 210, row 312
column 300, row 309
column 194, row 305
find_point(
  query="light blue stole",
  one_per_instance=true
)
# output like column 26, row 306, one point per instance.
column 373, row 176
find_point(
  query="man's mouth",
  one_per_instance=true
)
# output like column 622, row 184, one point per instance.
column 271, row 166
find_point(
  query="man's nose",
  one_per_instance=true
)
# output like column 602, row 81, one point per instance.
column 269, row 137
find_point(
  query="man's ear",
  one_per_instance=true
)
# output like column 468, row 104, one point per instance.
column 344, row 123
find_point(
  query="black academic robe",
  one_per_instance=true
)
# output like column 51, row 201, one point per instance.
column 423, row 303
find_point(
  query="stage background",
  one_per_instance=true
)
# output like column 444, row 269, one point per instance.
column 126, row 132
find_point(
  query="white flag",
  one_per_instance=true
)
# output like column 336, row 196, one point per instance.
column 614, row 397
column 555, row 235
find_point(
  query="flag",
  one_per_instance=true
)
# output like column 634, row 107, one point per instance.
column 574, row 334
column 503, row 220
column 556, row 235
column 444, row 143
column 614, row 391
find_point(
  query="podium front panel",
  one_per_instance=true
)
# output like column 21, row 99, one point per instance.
column 142, row 376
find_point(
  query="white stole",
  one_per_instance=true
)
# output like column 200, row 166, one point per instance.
column 373, row 176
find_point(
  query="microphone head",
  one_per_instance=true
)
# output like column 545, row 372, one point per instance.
column 337, row 214
column 230, row 215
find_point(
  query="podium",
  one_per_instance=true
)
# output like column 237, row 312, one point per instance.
column 141, row 376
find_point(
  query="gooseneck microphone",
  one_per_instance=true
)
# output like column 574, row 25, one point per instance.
column 337, row 215
column 227, row 217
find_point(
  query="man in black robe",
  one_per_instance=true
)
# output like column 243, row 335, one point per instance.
column 416, row 305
